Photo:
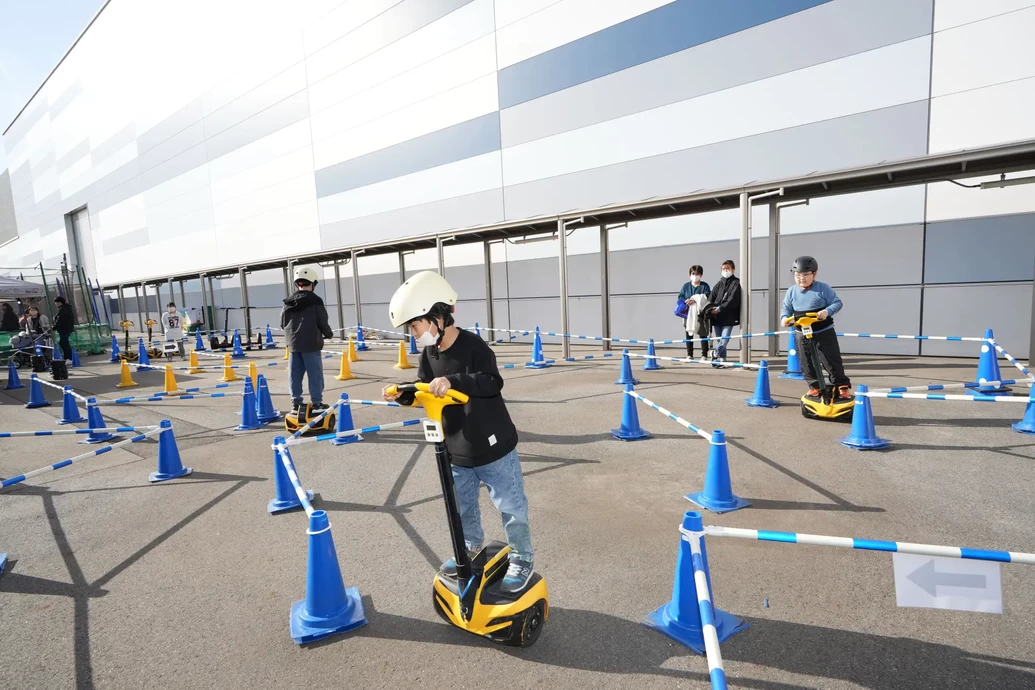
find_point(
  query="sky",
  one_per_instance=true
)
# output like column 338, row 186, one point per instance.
column 34, row 35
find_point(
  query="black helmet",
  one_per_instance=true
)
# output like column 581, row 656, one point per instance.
column 805, row 264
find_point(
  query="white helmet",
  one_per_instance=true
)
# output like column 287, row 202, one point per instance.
column 416, row 296
column 306, row 273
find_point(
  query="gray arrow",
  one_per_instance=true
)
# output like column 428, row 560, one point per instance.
column 928, row 579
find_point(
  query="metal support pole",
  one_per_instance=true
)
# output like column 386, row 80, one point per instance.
column 337, row 289
column 122, row 303
column 745, row 276
column 140, row 316
column 204, row 303
column 1031, row 337
column 774, row 277
column 147, row 307
column 355, row 287
column 183, row 296
column 441, row 257
column 212, row 297
column 562, row 261
column 490, row 317
column 172, row 293
column 158, row 299
column 605, row 285
column 402, row 268
column 244, row 303
column 287, row 280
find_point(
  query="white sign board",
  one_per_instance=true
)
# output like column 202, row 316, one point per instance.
column 934, row 582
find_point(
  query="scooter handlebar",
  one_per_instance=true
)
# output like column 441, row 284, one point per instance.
column 806, row 319
column 458, row 398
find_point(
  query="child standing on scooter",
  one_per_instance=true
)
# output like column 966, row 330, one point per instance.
column 480, row 436
column 809, row 295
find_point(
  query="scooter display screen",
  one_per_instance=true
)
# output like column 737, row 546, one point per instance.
column 433, row 431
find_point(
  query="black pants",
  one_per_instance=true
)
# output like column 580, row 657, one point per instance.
column 66, row 347
column 830, row 358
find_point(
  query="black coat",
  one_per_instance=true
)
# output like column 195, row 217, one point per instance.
column 64, row 322
column 726, row 296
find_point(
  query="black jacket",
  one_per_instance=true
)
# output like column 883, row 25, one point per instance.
column 726, row 296
column 304, row 320
column 10, row 321
column 64, row 322
column 481, row 431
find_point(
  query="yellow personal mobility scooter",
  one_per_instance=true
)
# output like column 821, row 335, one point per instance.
column 826, row 405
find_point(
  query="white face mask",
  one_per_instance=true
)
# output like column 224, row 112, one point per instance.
column 427, row 339
column 172, row 310
column 727, row 274
column 695, row 279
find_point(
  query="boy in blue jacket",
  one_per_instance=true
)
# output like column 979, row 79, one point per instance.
column 809, row 295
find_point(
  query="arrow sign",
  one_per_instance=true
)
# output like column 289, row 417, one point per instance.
column 947, row 583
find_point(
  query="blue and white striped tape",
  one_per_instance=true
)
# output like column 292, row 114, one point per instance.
column 68, row 432
column 687, row 360
column 63, row 389
column 65, row 463
column 943, row 397
column 295, row 441
column 704, row 604
column 289, row 465
column 674, row 417
column 315, row 420
column 952, row 338
column 873, row 545
column 949, row 386
column 1009, row 357
column 154, row 398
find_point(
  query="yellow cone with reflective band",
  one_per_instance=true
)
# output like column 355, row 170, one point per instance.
column 404, row 362
column 126, row 379
column 170, row 382
column 195, row 368
column 228, row 371
column 287, row 354
column 345, row 373
column 253, row 374
column 353, row 357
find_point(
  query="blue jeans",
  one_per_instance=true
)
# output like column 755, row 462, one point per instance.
column 723, row 333
column 311, row 364
column 507, row 491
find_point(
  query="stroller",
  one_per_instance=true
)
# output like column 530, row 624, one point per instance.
column 24, row 346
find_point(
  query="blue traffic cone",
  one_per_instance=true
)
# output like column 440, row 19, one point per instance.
column 680, row 618
column 169, row 465
column 238, row 352
column 413, row 345
column 793, row 365
column 36, row 398
column 13, row 381
column 863, row 435
column 477, row 330
column 95, row 420
column 538, row 360
column 285, row 499
column 3, row 563
column 249, row 416
column 264, row 409
column 199, row 344
column 630, row 429
column 627, row 374
column 75, row 359
column 114, row 350
column 717, row 495
column 988, row 369
column 361, row 344
column 39, row 350
column 69, row 410
column 762, row 397
column 651, row 363
column 269, row 337
column 345, row 423
column 328, row 608
column 1027, row 423
column 142, row 357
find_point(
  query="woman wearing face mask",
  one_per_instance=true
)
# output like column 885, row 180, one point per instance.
column 694, row 295
column 35, row 323
column 725, row 308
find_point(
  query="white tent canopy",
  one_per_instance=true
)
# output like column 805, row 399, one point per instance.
column 12, row 288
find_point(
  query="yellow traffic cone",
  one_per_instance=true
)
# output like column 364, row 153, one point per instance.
column 170, row 382
column 404, row 362
column 353, row 357
column 126, row 379
column 287, row 355
column 345, row 373
column 253, row 374
column 228, row 370
column 195, row 368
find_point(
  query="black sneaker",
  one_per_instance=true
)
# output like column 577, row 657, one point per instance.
column 296, row 408
column 518, row 575
column 320, row 407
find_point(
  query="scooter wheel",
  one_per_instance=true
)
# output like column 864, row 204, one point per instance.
column 532, row 624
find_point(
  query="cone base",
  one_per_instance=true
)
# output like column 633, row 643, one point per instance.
column 362, row 347
column 651, row 365
column 31, row 405
column 14, row 388
column 627, row 435
column 1023, row 427
column 250, row 427
column 400, row 366
column 277, row 506
column 166, row 476
column 71, row 421
column 228, row 379
column 1005, row 390
column 859, row 443
column 306, row 628
column 537, row 365
column 270, row 418
column 99, row 438
column 758, row 402
column 796, row 375
column 344, row 378
column 346, row 440
column 727, row 506
column 626, row 382
column 126, row 385
column 726, row 625
column 238, row 356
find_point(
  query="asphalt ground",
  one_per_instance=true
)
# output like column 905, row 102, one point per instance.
column 117, row 583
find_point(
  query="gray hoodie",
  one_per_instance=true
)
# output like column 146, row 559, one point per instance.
column 304, row 320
